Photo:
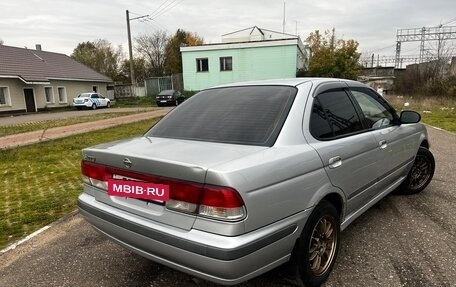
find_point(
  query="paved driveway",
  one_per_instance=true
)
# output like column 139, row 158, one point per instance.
column 401, row 241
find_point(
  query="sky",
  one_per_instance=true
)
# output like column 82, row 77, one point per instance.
column 60, row 25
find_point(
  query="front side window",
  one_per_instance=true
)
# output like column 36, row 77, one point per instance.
column 62, row 94
column 49, row 93
column 202, row 65
column 4, row 96
column 334, row 108
column 226, row 64
column 251, row 115
column 376, row 115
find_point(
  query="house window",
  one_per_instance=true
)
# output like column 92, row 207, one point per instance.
column 49, row 93
column 4, row 97
column 62, row 95
column 202, row 65
column 226, row 63
column 95, row 89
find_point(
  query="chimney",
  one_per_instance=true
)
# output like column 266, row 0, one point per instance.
column 38, row 47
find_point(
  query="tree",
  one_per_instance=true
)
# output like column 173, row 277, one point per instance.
column 140, row 66
column 151, row 47
column 101, row 56
column 332, row 57
column 173, row 59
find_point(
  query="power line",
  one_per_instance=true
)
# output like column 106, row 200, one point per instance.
column 165, row 8
column 380, row 49
column 159, row 7
column 449, row 22
column 148, row 22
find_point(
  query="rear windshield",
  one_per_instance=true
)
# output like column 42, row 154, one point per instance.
column 251, row 115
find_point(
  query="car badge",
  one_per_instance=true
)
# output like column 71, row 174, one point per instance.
column 89, row 158
column 127, row 162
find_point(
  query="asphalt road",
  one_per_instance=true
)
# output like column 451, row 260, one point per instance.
column 401, row 241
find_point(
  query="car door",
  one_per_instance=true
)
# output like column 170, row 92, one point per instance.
column 103, row 100
column 94, row 99
column 396, row 143
column 349, row 153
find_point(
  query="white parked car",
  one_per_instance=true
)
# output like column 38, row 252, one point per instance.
column 91, row 100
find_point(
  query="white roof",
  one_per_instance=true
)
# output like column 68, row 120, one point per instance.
column 255, row 34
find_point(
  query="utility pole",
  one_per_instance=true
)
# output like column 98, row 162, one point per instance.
column 130, row 48
column 130, row 51
column 283, row 24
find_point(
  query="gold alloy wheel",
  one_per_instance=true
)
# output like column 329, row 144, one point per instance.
column 322, row 245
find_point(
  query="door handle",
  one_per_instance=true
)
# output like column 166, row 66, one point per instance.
column 335, row 162
column 382, row 144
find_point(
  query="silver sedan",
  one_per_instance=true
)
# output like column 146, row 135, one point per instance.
column 242, row 178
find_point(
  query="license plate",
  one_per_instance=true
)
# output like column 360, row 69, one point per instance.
column 162, row 101
column 138, row 189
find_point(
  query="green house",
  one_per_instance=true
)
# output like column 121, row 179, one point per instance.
column 245, row 55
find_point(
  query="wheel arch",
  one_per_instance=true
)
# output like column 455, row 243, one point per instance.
column 333, row 195
column 425, row 143
column 336, row 200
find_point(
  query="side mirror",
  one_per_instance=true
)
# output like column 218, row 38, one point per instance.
column 409, row 117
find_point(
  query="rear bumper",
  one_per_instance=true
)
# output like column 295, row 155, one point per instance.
column 85, row 105
column 221, row 259
column 165, row 101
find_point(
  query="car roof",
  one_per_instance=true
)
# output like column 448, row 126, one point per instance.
column 285, row 82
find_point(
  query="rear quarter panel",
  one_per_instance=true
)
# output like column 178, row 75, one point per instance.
column 275, row 183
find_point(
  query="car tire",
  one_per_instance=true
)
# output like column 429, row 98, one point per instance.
column 108, row 105
column 421, row 173
column 94, row 106
column 316, row 250
column 158, row 104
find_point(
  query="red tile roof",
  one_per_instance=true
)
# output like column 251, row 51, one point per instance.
column 41, row 66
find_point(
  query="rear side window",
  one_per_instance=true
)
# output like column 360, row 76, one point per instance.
column 251, row 115
column 333, row 115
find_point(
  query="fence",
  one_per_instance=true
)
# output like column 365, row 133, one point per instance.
column 126, row 91
column 157, row 84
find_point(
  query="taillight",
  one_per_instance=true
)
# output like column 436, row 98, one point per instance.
column 222, row 203
column 217, row 202
column 95, row 174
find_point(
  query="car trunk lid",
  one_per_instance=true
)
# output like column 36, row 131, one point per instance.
column 182, row 161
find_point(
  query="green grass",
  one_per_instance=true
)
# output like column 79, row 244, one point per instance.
column 439, row 112
column 40, row 183
column 445, row 119
column 29, row 127
column 147, row 101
